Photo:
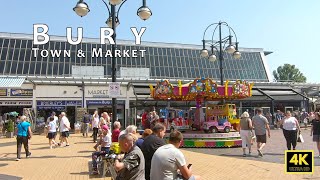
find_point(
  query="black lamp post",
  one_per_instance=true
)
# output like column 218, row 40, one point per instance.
column 219, row 46
column 143, row 12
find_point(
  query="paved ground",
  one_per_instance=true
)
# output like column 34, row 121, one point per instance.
column 72, row 162
column 273, row 151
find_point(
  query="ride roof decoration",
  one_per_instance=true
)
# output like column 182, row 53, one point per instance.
column 204, row 88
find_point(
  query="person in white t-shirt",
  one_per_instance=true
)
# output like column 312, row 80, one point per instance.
column 168, row 160
column 52, row 132
column 64, row 129
column 95, row 126
column 105, row 143
column 56, row 120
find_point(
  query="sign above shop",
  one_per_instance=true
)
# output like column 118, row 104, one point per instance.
column 103, row 102
column 15, row 103
column 21, row 92
column 59, row 103
column 3, row 92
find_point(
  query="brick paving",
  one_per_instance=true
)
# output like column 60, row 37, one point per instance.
column 72, row 163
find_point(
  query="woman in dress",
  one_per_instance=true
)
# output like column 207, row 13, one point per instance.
column 315, row 130
column 291, row 128
column 246, row 132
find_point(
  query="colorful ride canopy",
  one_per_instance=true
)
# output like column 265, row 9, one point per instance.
column 206, row 89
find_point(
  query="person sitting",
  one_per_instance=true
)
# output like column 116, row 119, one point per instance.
column 168, row 160
column 131, row 166
column 146, row 133
column 105, row 143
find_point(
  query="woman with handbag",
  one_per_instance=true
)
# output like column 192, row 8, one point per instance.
column 23, row 136
column 291, row 128
column 315, row 130
column 246, row 132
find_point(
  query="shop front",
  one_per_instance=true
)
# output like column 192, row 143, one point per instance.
column 106, row 106
column 15, row 100
column 46, row 107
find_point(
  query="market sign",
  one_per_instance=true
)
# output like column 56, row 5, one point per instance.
column 3, row 92
column 21, row 92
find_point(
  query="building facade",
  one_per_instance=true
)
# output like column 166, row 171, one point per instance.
column 55, row 78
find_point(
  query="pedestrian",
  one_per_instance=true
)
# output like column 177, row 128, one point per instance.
column 315, row 130
column 290, row 130
column 145, row 134
column 116, row 131
column 85, row 124
column 52, row 132
column 95, row 125
column 105, row 144
column 131, row 166
column 168, row 160
column 64, row 129
column 260, row 124
column 246, row 132
column 151, row 144
column 23, row 135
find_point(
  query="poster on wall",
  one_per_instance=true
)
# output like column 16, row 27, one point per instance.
column 21, row 92
column 3, row 92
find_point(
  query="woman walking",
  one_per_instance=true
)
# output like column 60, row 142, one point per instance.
column 291, row 128
column 23, row 136
column 246, row 132
column 315, row 130
column 52, row 132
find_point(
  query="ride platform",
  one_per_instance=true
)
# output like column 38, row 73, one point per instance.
column 199, row 139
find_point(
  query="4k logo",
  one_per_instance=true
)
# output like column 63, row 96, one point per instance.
column 299, row 161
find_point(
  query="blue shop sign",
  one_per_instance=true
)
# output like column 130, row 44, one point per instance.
column 103, row 102
column 21, row 92
column 58, row 108
column 59, row 103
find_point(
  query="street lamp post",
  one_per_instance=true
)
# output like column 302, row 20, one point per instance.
column 143, row 12
column 219, row 46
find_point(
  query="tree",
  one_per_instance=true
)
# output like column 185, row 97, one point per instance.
column 289, row 72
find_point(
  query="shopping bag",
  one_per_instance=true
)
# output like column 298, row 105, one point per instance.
column 300, row 139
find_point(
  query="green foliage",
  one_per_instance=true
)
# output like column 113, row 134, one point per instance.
column 10, row 126
column 289, row 72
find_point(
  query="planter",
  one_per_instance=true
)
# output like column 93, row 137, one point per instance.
column 9, row 134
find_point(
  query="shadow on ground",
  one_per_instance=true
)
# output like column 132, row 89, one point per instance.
column 9, row 177
column 3, row 164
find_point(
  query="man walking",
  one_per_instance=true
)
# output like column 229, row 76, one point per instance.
column 85, row 124
column 64, row 129
column 260, row 124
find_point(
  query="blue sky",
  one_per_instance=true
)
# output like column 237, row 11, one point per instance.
column 289, row 28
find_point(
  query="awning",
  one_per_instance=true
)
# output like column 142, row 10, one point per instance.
column 11, row 82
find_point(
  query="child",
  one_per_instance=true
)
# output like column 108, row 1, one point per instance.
column 52, row 132
column 105, row 142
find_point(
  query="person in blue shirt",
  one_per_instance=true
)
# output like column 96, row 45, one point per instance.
column 23, row 135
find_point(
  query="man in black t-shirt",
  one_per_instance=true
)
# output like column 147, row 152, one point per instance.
column 151, row 144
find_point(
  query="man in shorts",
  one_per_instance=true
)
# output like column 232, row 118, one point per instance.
column 260, row 124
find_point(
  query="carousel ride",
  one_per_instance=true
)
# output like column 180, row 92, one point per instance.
column 209, row 126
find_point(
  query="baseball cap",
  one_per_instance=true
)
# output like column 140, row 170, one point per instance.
column 105, row 127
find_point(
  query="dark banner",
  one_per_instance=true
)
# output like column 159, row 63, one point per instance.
column 21, row 92
column 3, row 92
column 59, row 103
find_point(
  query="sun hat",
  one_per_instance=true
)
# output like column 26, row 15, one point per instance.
column 105, row 127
